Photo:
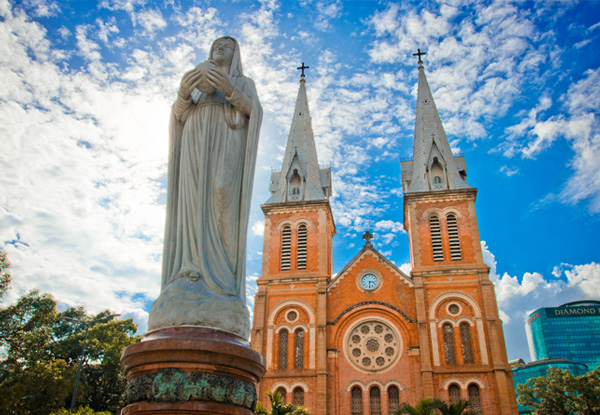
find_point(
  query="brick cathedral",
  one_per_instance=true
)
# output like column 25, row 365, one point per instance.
column 371, row 337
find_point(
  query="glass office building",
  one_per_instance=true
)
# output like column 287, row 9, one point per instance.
column 571, row 331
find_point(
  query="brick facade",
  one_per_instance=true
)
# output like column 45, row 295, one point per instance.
column 414, row 309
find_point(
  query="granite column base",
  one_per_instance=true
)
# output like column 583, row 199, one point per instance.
column 192, row 371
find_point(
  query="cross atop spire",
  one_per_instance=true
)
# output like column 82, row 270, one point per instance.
column 303, row 68
column 419, row 54
column 367, row 237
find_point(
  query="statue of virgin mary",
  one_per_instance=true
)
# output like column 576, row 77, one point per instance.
column 213, row 141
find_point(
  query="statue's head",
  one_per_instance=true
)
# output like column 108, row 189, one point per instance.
column 224, row 52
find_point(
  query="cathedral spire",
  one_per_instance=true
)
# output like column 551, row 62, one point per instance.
column 300, row 178
column 433, row 167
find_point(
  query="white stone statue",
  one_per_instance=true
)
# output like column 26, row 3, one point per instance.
column 214, row 131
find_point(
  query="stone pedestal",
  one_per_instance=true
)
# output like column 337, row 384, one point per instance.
column 192, row 371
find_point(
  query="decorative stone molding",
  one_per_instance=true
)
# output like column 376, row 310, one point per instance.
column 352, row 307
column 173, row 385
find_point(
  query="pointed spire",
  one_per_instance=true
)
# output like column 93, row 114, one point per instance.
column 300, row 178
column 433, row 167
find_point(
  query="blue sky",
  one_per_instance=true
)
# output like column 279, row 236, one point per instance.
column 84, row 104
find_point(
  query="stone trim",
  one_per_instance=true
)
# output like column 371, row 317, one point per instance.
column 173, row 385
column 352, row 307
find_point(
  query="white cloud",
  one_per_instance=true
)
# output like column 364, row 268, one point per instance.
column 518, row 297
column 258, row 228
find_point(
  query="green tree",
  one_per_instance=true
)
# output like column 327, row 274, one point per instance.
column 41, row 357
column 423, row 407
column 561, row 393
column 5, row 277
column 82, row 410
column 461, row 407
column 278, row 407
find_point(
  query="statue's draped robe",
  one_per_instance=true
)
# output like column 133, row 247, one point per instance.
column 212, row 155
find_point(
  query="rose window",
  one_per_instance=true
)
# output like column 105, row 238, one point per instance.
column 373, row 346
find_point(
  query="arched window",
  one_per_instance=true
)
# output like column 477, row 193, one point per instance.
column 357, row 401
column 437, row 179
column 298, row 397
column 283, row 349
column 301, row 259
column 393, row 398
column 299, row 349
column 454, row 393
column 449, row 344
column 436, row 239
column 282, row 392
column 375, row 400
column 475, row 398
column 286, row 248
column 453, row 238
column 465, row 335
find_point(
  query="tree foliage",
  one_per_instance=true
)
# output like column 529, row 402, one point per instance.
column 278, row 407
column 41, row 357
column 423, row 407
column 82, row 410
column 5, row 276
column 435, row 407
column 561, row 393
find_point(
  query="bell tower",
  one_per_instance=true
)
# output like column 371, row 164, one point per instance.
column 289, row 326
column 462, row 349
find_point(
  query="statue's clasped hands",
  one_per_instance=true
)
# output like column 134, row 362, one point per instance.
column 207, row 78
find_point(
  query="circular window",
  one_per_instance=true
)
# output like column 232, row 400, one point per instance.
column 291, row 315
column 373, row 346
column 453, row 309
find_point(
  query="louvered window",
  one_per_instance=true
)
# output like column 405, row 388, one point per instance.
column 375, row 401
column 453, row 238
column 475, row 398
column 299, row 349
column 465, row 335
column 298, row 397
column 302, row 235
column 357, row 401
column 283, row 349
column 286, row 248
column 282, row 393
column 454, row 393
column 436, row 239
column 393, row 399
column 449, row 344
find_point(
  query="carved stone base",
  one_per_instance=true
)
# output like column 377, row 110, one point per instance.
column 193, row 371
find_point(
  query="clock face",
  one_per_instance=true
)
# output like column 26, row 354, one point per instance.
column 369, row 281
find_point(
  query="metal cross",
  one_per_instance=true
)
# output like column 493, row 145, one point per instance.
column 303, row 68
column 367, row 237
column 419, row 54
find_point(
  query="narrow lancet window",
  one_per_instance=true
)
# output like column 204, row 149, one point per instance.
column 475, row 398
column 302, row 235
column 282, row 392
column 357, row 401
column 454, row 393
column 375, row 400
column 286, row 248
column 298, row 397
column 436, row 239
column 467, row 349
column 393, row 398
column 283, row 349
column 299, row 349
column 449, row 344
column 453, row 238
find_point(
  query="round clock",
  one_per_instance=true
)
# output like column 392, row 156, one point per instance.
column 369, row 281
